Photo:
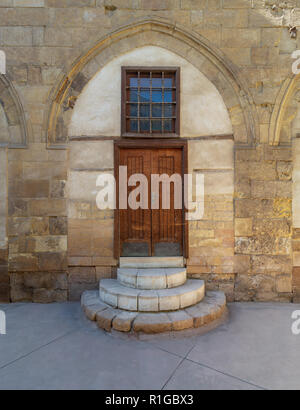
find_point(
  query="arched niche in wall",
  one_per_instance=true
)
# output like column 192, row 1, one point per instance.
column 97, row 111
column 13, row 129
column 213, row 65
column 284, row 112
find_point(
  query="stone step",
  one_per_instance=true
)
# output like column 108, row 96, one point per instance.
column 153, row 262
column 152, row 279
column 212, row 307
column 119, row 296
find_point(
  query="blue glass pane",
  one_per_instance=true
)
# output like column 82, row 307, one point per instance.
column 168, row 110
column 145, row 125
column 157, row 110
column 133, row 96
column 168, row 125
column 133, row 125
column 168, row 82
column 133, row 110
column 157, row 126
column 156, row 82
column 168, row 97
column 157, row 96
column 145, row 110
column 145, row 96
column 133, row 82
column 145, row 82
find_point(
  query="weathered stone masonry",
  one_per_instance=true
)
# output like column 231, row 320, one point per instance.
column 52, row 245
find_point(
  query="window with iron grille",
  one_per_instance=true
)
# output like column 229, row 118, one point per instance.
column 150, row 101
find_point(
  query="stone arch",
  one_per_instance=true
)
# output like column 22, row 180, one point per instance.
column 97, row 111
column 191, row 46
column 13, row 129
column 285, row 111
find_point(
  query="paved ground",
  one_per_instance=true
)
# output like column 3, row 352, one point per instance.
column 55, row 347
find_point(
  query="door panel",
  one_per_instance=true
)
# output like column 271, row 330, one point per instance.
column 152, row 232
column 167, row 229
column 135, row 229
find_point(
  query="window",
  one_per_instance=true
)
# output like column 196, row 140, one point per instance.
column 150, row 102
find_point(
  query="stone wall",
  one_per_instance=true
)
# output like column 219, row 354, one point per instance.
column 51, row 240
column 4, row 276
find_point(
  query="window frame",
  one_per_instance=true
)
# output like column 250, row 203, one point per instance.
column 127, row 69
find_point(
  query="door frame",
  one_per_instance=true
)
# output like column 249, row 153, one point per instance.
column 149, row 144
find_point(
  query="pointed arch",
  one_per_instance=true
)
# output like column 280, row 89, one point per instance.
column 13, row 120
column 193, row 47
column 284, row 98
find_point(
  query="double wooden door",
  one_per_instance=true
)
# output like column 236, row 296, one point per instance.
column 153, row 230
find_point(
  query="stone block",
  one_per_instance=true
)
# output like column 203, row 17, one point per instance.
column 284, row 170
column 105, row 319
column 21, row 294
column 58, row 189
column 92, row 310
column 123, row 321
column 44, row 171
column 151, row 279
column 21, row 263
column 148, row 302
column 4, row 293
column 29, row 3
column 103, row 272
column 128, row 300
column 160, row 4
column 52, row 261
column 284, row 283
column 181, row 320
column 79, row 261
column 152, row 323
column 169, row 301
column 29, row 189
column 45, row 280
column 47, row 207
column 50, row 243
column 58, row 225
column 246, row 37
column 39, row 226
column 70, row 3
column 49, row 296
column 16, row 36
column 243, row 227
column 82, row 274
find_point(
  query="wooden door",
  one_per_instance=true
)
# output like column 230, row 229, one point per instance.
column 167, row 224
column 135, row 225
column 152, row 232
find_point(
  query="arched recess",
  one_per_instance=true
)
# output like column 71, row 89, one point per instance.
column 189, row 45
column 13, row 128
column 285, row 111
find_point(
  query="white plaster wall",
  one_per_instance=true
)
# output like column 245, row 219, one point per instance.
column 98, row 109
column 215, row 160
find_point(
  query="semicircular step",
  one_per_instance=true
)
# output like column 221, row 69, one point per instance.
column 121, row 297
column 152, row 279
column 212, row 308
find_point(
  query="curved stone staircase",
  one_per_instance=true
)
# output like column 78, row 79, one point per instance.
column 151, row 300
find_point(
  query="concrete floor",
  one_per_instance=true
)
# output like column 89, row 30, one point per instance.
column 55, row 347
